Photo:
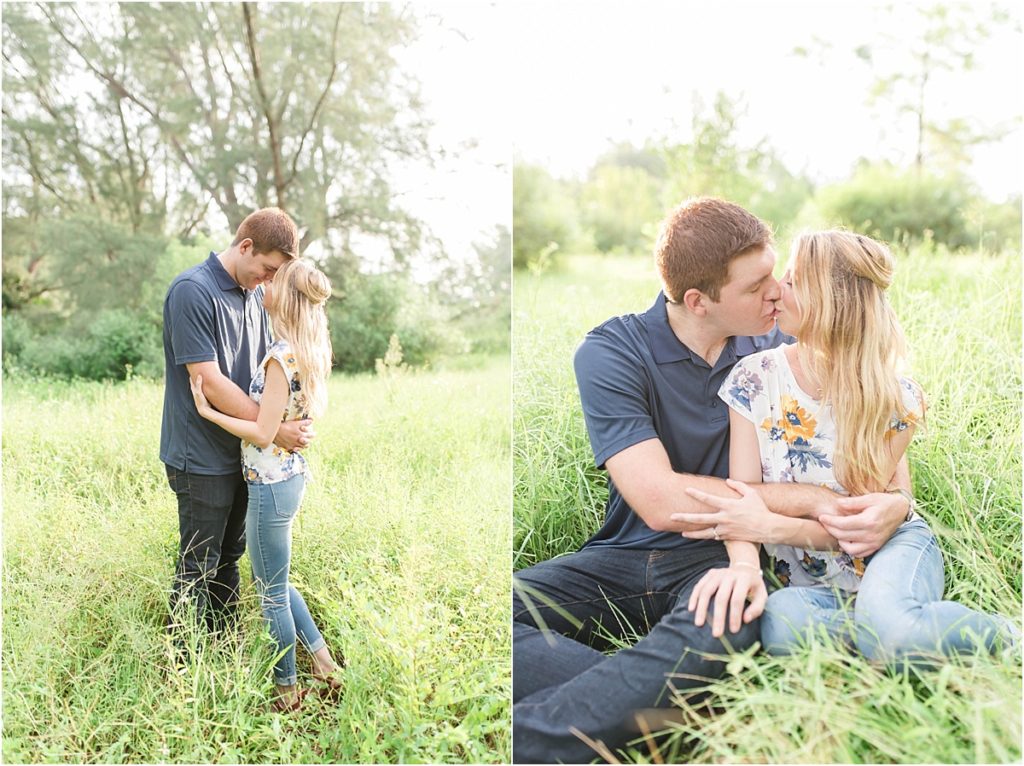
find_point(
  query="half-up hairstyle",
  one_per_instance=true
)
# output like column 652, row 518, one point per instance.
column 297, row 311
column 852, row 344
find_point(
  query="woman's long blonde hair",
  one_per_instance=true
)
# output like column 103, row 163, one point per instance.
column 851, row 343
column 297, row 311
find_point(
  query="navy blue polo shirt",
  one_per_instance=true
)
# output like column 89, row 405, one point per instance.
column 207, row 317
column 638, row 381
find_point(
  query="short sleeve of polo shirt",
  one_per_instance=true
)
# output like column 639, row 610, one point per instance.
column 193, row 326
column 615, row 395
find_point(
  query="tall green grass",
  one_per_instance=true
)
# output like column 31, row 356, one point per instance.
column 401, row 550
column 962, row 316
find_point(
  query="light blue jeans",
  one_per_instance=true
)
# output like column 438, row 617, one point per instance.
column 898, row 613
column 268, row 522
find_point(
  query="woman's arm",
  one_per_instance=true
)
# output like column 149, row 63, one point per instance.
column 262, row 431
column 747, row 518
column 745, row 466
column 731, row 587
column 228, row 398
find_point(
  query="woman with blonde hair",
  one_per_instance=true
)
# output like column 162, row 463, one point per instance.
column 833, row 410
column 289, row 384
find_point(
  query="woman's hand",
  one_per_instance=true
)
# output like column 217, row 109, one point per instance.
column 735, row 518
column 865, row 522
column 730, row 588
column 199, row 397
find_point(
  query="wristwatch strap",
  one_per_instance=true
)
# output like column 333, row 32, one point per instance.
column 910, row 499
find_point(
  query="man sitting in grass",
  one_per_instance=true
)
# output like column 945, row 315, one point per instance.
column 649, row 389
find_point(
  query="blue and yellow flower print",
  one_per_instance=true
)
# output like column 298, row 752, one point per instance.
column 814, row 566
column 274, row 463
column 780, row 567
column 913, row 402
column 746, row 385
column 797, row 427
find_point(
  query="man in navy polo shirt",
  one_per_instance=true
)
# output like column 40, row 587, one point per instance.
column 649, row 389
column 215, row 326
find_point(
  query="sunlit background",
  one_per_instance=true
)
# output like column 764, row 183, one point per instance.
column 807, row 112
column 137, row 136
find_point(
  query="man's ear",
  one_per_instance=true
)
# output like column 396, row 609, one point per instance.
column 695, row 301
column 245, row 247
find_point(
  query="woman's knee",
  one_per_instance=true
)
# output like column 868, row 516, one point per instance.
column 787, row 615
column 899, row 631
column 274, row 597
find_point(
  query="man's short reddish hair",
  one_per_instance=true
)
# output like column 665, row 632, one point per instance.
column 699, row 239
column 270, row 229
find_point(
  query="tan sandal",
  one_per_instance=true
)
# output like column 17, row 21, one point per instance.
column 279, row 705
column 333, row 684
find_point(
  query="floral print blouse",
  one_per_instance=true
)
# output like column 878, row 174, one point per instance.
column 273, row 464
column 796, row 437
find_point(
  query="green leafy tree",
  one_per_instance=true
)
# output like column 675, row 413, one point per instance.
column 621, row 206
column 146, row 115
column 301, row 106
column 716, row 162
column 544, row 216
column 127, row 125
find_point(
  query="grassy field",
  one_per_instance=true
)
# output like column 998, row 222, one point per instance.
column 962, row 316
column 402, row 550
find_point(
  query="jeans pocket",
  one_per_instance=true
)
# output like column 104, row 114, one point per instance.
column 174, row 479
column 286, row 496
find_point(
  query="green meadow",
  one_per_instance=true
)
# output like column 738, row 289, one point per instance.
column 401, row 549
column 962, row 316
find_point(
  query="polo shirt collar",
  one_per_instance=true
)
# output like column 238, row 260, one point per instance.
column 220, row 274
column 667, row 348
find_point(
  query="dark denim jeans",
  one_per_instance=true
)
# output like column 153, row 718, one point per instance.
column 569, row 610
column 211, row 527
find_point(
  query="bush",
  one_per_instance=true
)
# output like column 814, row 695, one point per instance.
column 116, row 345
column 375, row 307
column 17, row 336
column 901, row 206
column 995, row 226
column 544, row 216
column 621, row 207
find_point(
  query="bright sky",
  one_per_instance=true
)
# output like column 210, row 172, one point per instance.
column 559, row 82
column 461, row 60
column 586, row 75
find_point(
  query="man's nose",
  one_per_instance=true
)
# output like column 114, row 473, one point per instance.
column 774, row 292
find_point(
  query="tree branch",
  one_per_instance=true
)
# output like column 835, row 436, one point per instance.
column 275, row 141
column 323, row 96
column 121, row 90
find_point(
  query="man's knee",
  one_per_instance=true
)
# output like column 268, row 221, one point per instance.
column 747, row 635
column 708, row 653
column 199, row 560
